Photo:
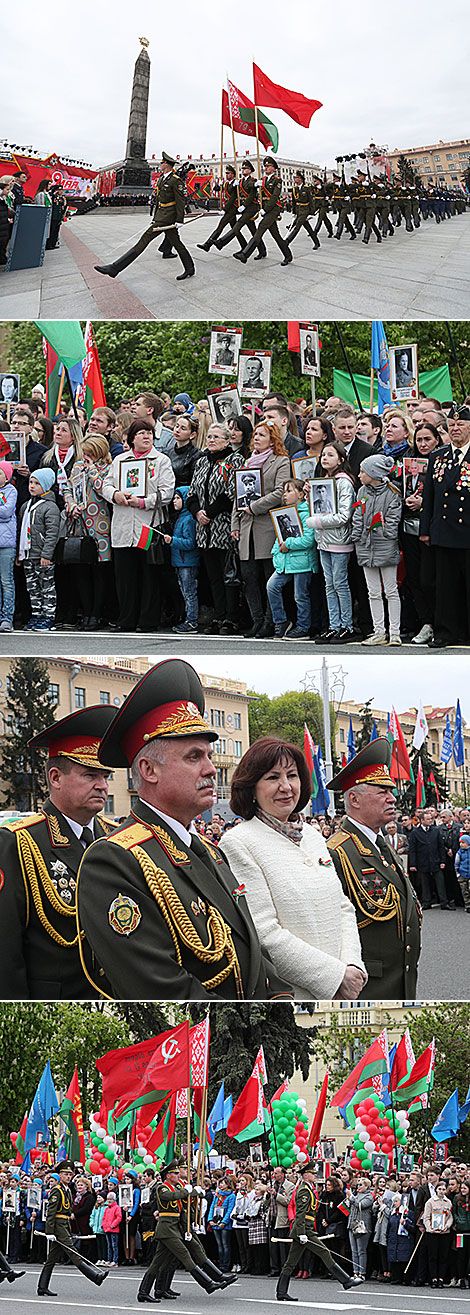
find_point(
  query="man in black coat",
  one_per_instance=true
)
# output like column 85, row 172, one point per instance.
column 445, row 525
column 427, row 860
column 23, row 423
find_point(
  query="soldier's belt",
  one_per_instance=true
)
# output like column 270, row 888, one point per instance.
column 310, row 1216
column 168, row 1214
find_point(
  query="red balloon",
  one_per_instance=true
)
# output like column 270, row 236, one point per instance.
column 94, row 1166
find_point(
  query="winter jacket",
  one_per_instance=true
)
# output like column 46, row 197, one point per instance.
column 226, row 1202
column 382, row 1209
column 437, row 1205
column 400, row 1245
column 360, row 1208
column 377, row 545
column 111, row 1218
column 96, row 1218
column 302, row 554
column 461, row 1217
column 212, row 489
column 34, row 455
column 81, row 1214
column 183, row 544
column 183, row 461
column 127, row 522
column 8, row 500
column 45, row 522
column 257, row 531
column 333, row 529
column 462, row 863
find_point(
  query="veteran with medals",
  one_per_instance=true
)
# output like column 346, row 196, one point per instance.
column 59, row 1230
column 387, row 911
column 304, row 1237
column 165, row 916
column 41, row 957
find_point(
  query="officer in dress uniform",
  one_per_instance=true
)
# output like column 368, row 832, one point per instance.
column 320, row 205
column 302, row 206
column 163, row 911
column 7, row 1272
column 304, row 1237
column 40, row 958
column 229, row 208
column 388, row 915
column 169, row 211
column 445, row 525
column 175, row 1242
column 249, row 202
column 344, row 207
column 271, row 203
column 58, row 1227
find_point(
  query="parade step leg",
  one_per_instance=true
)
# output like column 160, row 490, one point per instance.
column 344, row 1278
column 127, row 259
column 283, row 1288
column 145, row 1286
column 204, row 1280
column 224, row 1279
column 6, row 1270
column 90, row 1271
column 339, row 231
column 367, row 233
column 43, row 1283
column 376, row 231
column 206, row 246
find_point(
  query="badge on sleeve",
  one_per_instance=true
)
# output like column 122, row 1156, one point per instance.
column 124, row 915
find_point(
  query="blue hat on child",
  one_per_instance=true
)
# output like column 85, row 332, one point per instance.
column 45, row 477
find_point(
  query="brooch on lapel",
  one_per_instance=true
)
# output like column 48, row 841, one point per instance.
column 325, row 862
column 238, row 892
column 198, row 907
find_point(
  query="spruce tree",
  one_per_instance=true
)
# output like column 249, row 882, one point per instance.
column 29, row 709
column 367, row 725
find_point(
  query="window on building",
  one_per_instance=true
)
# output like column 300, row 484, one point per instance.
column 215, row 717
column 109, row 805
column 8, row 685
column 80, row 701
column 428, row 170
column 238, row 748
column 449, row 157
column 219, row 746
column 437, row 157
column 237, row 721
column 105, row 696
column 54, row 694
column 440, row 169
column 341, row 735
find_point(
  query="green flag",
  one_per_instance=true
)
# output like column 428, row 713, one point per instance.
column 434, row 383
column 66, row 339
column 248, row 116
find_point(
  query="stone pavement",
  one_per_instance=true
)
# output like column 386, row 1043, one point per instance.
column 421, row 275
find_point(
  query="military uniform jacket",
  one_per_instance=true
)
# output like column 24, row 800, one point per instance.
column 249, row 198
column 387, row 911
column 169, row 201
column 39, row 953
column 301, row 201
column 169, row 922
column 170, row 1207
column 305, row 1209
column 445, row 514
column 271, row 189
column 59, row 1207
column 230, row 198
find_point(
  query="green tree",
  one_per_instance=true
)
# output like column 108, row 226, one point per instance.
column 286, row 715
column 408, row 174
column 148, row 1018
column 429, row 765
column 30, row 708
column 363, row 736
column 449, row 1023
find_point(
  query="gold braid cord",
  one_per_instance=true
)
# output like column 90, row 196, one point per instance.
column 385, row 908
column 181, row 928
column 35, row 872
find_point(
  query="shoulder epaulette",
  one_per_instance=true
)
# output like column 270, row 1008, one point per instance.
column 213, row 851
column 132, row 835
column 335, row 841
column 23, row 822
column 107, row 825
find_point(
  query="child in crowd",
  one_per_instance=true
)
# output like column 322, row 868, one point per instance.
column 296, row 557
column 333, row 537
column 375, row 521
column 96, row 1225
column 8, row 497
column 40, row 521
column 462, row 867
column 185, row 559
column 110, row 1224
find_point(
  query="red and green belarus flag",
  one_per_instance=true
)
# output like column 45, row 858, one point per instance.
column 250, row 1116
column 420, row 790
column 71, row 1112
column 376, row 1060
column 419, row 1081
column 63, row 345
column 93, row 387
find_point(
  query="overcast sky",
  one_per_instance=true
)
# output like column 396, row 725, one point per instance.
column 395, row 74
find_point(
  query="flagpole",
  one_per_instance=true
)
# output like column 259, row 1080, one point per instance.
column 256, row 127
column 74, row 405
column 61, row 389
column 348, row 367
column 235, row 164
column 425, row 1128
column 390, row 1092
column 371, row 408
column 188, row 1148
column 222, row 145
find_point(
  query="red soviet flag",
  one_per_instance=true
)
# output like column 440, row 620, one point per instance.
column 279, row 98
column 237, row 101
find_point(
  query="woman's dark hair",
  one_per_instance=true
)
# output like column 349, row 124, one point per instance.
column 193, row 424
column 336, row 1184
column 47, row 430
column 264, row 754
column 136, row 427
column 43, row 185
column 427, row 424
column 246, row 428
column 341, row 450
column 326, row 427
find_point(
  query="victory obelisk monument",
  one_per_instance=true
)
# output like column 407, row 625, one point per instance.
column 133, row 173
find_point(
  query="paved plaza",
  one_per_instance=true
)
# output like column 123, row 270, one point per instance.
column 418, row 276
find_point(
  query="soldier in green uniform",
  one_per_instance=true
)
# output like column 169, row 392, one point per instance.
column 175, row 1242
column 7, row 1272
column 344, row 207
column 169, row 211
column 58, row 1227
column 249, row 202
column 40, row 956
column 388, row 915
column 370, row 211
column 302, row 206
column 271, row 204
column 304, row 1237
column 229, row 211
column 164, row 913
column 321, row 205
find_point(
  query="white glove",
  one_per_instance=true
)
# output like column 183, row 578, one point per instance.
column 50, row 1237
column 303, row 1238
column 189, row 1188
column 199, row 1191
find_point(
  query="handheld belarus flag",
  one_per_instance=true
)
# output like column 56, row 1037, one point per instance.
column 273, row 96
column 448, row 1122
column 420, row 790
column 380, row 361
column 432, row 781
column 446, row 751
column 400, row 766
column 458, row 737
column 351, row 744
column 314, row 1134
column 71, row 1112
column 66, row 339
column 421, row 728
column 421, row 1077
column 403, row 1061
column 44, row 1105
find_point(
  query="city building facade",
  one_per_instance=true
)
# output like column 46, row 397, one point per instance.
column 442, row 163
column 457, row 777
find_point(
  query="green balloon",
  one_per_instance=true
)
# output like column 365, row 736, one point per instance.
column 367, row 1164
column 380, row 1106
column 362, row 1155
column 282, row 1123
column 286, row 1161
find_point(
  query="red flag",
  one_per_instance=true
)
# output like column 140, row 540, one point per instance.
column 71, row 1113
column 403, row 1060
column 92, row 390
column 374, row 1061
column 280, row 1091
column 432, row 781
column 167, row 1070
column 293, row 103
column 122, row 1072
column 420, row 790
column 400, row 767
column 344, row 761
column 18, row 1141
column 314, row 1135
column 239, row 101
column 245, row 1111
column 309, row 749
column 293, row 335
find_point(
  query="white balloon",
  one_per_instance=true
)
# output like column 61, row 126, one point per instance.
column 369, row 1146
column 301, row 1156
column 401, row 1116
column 364, row 1136
column 295, row 1147
column 148, row 1159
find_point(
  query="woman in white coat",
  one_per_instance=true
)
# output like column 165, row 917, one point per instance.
column 135, row 569
column 302, row 916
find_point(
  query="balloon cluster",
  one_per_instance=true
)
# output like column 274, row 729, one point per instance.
column 375, row 1130
column 103, row 1154
column 288, row 1140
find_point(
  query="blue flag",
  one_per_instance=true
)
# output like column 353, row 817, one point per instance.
column 374, row 735
column 215, row 1120
column 321, row 801
column 26, row 1165
column 44, row 1105
column 380, row 361
column 351, row 744
column 464, row 1109
column 447, row 1123
column 458, row 737
column 228, row 1107
column 446, row 751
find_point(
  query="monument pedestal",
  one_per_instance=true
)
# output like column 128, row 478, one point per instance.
column 133, row 173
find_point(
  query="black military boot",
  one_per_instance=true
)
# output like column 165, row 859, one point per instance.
column 205, row 246
column 145, row 1286
column 339, row 231
column 6, row 1271
column 367, row 233
column 43, row 1282
column 224, row 1279
column 204, row 1280
column 283, row 1287
column 122, row 263
column 92, row 1272
column 346, row 1280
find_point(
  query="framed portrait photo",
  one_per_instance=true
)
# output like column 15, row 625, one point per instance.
column 144, row 1195
column 97, row 1182
column 9, row 388
column 379, row 1162
column 254, row 373
column 328, row 1146
column 406, row 1162
column 440, row 1152
column 309, row 350
column 79, row 491
column 414, row 474
column 287, row 523
column 125, row 1196
column 9, row 1199
column 224, row 404
column 256, row 1152
column 33, row 1198
column 304, row 467
column 224, row 351
column 17, row 446
column 248, row 487
column 322, row 496
column 133, row 476
column 404, row 382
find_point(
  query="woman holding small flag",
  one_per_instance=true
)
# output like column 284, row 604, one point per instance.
column 134, row 521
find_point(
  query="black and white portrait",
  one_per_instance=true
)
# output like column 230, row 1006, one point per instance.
column 248, row 487
column 33, row 1198
column 379, row 1162
column 9, row 388
column 328, row 1147
column 17, row 446
column 224, row 404
column 287, row 523
column 304, row 467
column 254, row 373
column 309, row 349
column 406, row 1162
column 440, row 1152
column 125, row 1196
column 322, row 497
column 97, row 1182
column 404, row 372
column 224, row 351
column 9, row 1197
column 256, row 1152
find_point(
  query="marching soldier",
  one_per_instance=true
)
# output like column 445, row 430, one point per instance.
column 230, row 207
column 7, row 1272
column 169, row 211
column 173, row 1242
column 445, row 525
column 163, row 911
column 302, row 207
column 304, row 1237
column 388, row 915
column 271, row 203
column 344, row 208
column 249, row 202
column 40, row 956
column 370, row 212
column 321, row 205
column 59, row 1228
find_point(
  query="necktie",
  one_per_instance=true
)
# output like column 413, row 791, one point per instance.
column 87, row 837
column 380, row 842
